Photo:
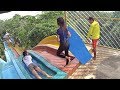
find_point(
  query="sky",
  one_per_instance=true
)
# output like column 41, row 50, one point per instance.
column 9, row 15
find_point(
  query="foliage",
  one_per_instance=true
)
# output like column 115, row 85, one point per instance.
column 30, row 29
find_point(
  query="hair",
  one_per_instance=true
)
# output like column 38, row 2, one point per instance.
column 91, row 18
column 24, row 53
column 60, row 21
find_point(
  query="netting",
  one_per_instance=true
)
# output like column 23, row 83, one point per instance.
column 109, row 25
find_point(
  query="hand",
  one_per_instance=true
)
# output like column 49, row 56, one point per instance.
column 58, row 40
column 69, row 34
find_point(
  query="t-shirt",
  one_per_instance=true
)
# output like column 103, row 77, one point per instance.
column 63, row 34
column 5, row 36
column 94, row 30
column 27, row 60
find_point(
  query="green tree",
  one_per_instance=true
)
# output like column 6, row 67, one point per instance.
column 31, row 29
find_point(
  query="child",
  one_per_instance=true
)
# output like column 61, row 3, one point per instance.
column 27, row 59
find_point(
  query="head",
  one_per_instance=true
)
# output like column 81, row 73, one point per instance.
column 25, row 53
column 91, row 20
column 60, row 21
column 7, row 33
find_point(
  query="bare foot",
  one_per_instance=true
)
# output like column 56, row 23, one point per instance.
column 39, row 78
column 49, row 76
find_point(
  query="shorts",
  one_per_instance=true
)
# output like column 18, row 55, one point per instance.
column 32, row 66
column 94, row 42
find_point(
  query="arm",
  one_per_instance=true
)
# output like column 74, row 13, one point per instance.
column 58, row 38
column 69, row 34
column 65, row 27
column 89, row 32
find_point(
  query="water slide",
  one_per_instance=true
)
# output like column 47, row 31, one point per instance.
column 14, row 68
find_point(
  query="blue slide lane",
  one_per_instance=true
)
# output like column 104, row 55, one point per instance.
column 14, row 68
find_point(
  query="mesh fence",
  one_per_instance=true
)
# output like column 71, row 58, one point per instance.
column 109, row 25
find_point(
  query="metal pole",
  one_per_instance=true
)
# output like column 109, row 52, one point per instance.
column 65, row 17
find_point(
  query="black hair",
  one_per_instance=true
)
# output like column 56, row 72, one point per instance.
column 60, row 21
column 24, row 53
column 91, row 18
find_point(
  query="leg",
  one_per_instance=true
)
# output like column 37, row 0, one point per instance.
column 32, row 69
column 67, row 48
column 67, row 53
column 94, row 50
column 94, row 44
column 39, row 70
column 59, row 51
column 35, row 74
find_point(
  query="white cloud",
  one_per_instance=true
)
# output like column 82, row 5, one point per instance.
column 9, row 15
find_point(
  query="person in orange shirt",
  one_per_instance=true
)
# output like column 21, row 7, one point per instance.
column 94, row 34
